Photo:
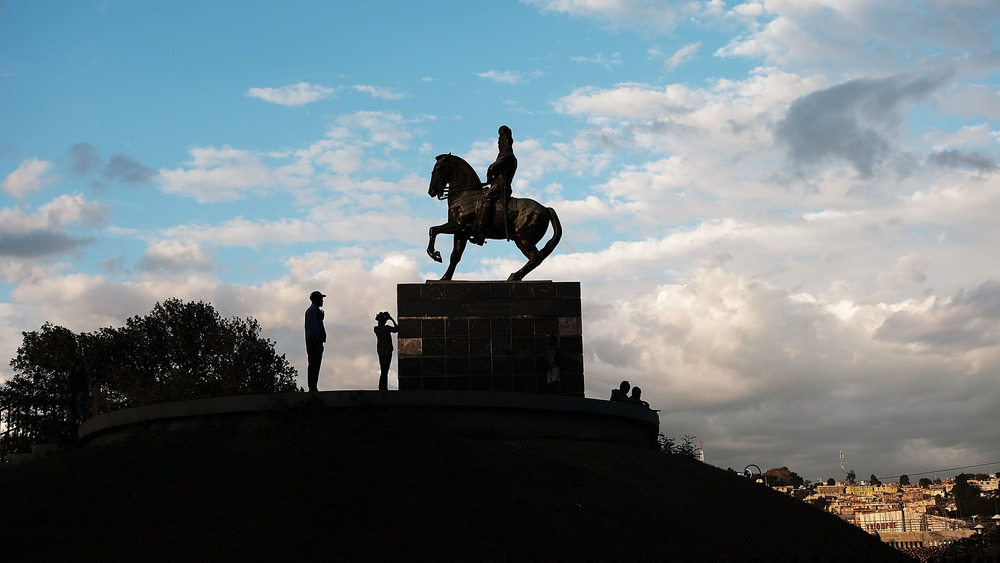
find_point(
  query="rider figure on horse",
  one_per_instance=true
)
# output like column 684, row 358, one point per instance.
column 498, row 177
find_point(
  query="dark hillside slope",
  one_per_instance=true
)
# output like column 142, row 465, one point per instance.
column 376, row 485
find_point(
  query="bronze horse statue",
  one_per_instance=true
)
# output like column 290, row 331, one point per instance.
column 521, row 220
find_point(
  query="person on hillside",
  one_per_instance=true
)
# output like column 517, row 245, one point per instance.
column 383, row 346
column 315, row 338
column 621, row 394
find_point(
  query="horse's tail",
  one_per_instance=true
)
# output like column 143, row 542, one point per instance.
column 556, row 235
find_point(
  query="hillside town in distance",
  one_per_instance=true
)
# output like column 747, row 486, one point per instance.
column 919, row 518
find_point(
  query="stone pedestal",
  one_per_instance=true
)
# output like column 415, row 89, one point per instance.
column 488, row 336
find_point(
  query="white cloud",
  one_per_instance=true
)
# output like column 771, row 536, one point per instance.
column 502, row 77
column 852, row 39
column 379, row 92
column 719, row 352
column 729, row 117
column 381, row 128
column 31, row 176
column 981, row 134
column 644, row 15
column 629, row 101
column 218, row 175
column 175, row 256
column 47, row 232
column 608, row 62
column 59, row 213
column 293, row 94
column 683, row 55
column 228, row 174
column 977, row 100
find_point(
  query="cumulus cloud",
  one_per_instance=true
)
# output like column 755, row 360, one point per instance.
column 965, row 321
column 31, row 176
column 752, row 363
column 228, row 174
column 372, row 128
column 45, row 232
column 629, row 101
column 292, row 95
column 213, row 174
column 871, row 38
column 175, row 256
column 977, row 100
column 59, row 213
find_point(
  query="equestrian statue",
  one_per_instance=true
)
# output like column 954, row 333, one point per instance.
column 478, row 210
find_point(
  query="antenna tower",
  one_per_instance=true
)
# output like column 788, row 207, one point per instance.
column 843, row 471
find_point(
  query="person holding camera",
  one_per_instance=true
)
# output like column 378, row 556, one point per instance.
column 383, row 345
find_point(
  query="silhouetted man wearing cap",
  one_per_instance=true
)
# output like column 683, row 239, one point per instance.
column 315, row 337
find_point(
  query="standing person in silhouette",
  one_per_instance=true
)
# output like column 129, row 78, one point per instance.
column 383, row 346
column 315, row 337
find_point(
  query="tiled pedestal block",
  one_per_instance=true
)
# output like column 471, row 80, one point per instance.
column 488, row 336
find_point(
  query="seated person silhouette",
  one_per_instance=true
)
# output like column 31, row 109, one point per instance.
column 636, row 397
column 621, row 394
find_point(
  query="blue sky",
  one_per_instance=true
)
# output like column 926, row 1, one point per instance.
column 782, row 213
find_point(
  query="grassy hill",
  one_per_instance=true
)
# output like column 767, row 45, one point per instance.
column 377, row 485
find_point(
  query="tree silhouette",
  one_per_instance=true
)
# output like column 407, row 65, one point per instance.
column 782, row 476
column 687, row 446
column 179, row 351
column 968, row 498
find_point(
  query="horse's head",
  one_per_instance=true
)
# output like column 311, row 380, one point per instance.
column 452, row 175
column 440, row 177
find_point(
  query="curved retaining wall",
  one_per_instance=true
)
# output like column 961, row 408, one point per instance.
column 503, row 415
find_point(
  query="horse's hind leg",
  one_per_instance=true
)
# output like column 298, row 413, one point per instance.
column 530, row 252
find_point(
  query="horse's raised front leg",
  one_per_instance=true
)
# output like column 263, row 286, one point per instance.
column 448, row 228
column 456, row 255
